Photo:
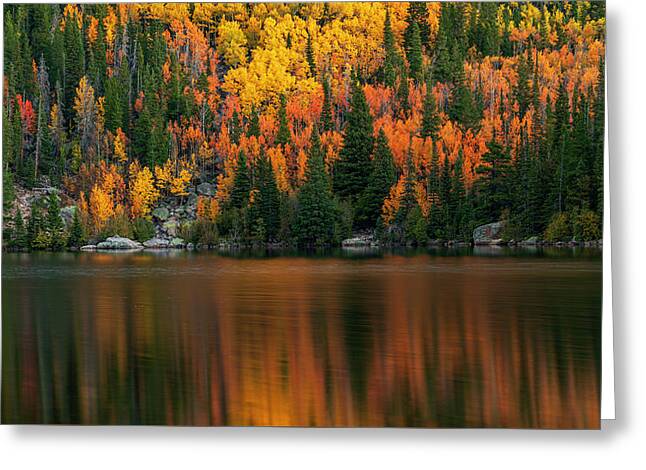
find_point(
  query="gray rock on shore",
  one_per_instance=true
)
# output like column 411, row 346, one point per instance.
column 119, row 243
column 488, row 234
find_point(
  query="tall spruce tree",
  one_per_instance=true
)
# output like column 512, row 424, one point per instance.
column 268, row 198
column 392, row 61
column 74, row 64
column 414, row 55
column 241, row 183
column 314, row 224
column 382, row 177
column 493, row 183
column 327, row 121
column 350, row 176
column 430, row 118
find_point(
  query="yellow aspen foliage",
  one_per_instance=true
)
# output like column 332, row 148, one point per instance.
column 143, row 193
column 101, row 206
column 164, row 175
column 208, row 208
column 180, row 182
column 232, row 43
column 393, row 201
column 120, row 146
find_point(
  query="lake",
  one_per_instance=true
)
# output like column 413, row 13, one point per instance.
column 484, row 337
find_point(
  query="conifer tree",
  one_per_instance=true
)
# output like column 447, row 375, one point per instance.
column 253, row 130
column 241, row 183
column 493, row 185
column 268, row 198
column 314, row 223
column 76, row 236
column 309, row 54
column 430, row 119
column 414, row 54
column 74, row 64
column 350, row 176
column 35, row 224
column 284, row 136
column 382, row 177
column 417, row 14
column 391, row 60
column 55, row 226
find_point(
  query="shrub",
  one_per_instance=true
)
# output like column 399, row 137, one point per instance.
column 587, row 225
column 143, row 229
column 558, row 230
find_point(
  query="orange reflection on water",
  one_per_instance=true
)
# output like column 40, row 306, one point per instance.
column 393, row 341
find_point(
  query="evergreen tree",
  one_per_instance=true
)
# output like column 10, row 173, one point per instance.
column 392, row 61
column 414, row 55
column 241, row 183
column 493, row 184
column 35, row 224
column 417, row 14
column 76, row 236
column 268, row 198
column 430, row 118
column 521, row 90
column 350, row 176
column 403, row 92
column 314, row 223
column 74, row 64
column 55, row 226
column 463, row 109
column 283, row 137
column 382, row 177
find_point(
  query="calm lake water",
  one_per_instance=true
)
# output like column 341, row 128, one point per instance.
column 493, row 338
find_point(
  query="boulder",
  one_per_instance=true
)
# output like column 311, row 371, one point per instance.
column 88, row 248
column 190, row 246
column 206, row 189
column 161, row 213
column 119, row 243
column 488, row 234
column 157, row 243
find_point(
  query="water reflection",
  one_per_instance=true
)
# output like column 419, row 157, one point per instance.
column 384, row 340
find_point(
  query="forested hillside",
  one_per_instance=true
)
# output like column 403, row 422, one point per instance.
column 310, row 122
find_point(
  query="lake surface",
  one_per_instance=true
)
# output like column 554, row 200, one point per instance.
column 484, row 338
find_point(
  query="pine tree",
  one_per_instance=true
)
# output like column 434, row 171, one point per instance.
column 76, row 236
column 392, row 61
column 430, row 119
column 521, row 90
column 382, row 177
column 283, row 137
column 463, row 109
column 493, row 184
column 35, row 224
column 54, row 223
column 314, row 223
column 417, row 14
column 241, row 183
column 74, row 64
column 350, row 176
column 403, row 92
column 414, row 55
column 268, row 198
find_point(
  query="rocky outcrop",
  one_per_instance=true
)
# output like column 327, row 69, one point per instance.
column 531, row 241
column 488, row 234
column 88, row 248
column 67, row 214
column 119, row 243
column 157, row 243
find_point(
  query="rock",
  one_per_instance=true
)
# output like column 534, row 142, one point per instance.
column 190, row 246
column 488, row 234
column 359, row 241
column 170, row 227
column 530, row 241
column 67, row 214
column 119, row 243
column 157, row 243
column 177, row 242
column 206, row 189
column 161, row 213
column 88, row 248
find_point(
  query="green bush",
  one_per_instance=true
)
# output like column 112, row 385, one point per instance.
column 558, row 230
column 587, row 225
column 143, row 229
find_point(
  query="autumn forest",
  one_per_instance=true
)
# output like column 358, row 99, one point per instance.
column 302, row 123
